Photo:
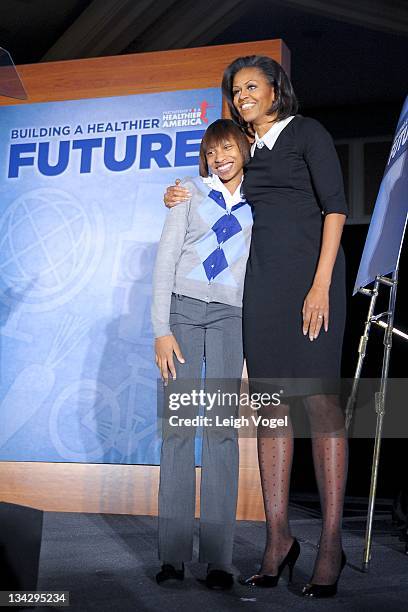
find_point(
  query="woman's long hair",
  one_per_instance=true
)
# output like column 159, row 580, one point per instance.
column 285, row 103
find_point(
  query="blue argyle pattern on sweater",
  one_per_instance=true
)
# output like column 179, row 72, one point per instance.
column 226, row 227
column 224, row 243
column 215, row 263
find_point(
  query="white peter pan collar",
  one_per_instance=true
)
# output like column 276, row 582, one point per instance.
column 271, row 135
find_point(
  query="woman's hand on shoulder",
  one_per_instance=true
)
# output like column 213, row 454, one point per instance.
column 175, row 194
column 164, row 347
column 316, row 311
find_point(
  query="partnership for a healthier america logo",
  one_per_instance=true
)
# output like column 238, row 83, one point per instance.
column 184, row 117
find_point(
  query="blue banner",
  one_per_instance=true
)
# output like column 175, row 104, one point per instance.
column 387, row 227
column 81, row 213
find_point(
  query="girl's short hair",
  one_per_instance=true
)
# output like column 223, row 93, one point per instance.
column 218, row 132
column 285, row 103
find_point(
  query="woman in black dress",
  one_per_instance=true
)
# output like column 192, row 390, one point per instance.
column 294, row 303
column 294, row 300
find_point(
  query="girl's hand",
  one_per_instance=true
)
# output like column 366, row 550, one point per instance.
column 316, row 311
column 176, row 194
column 164, row 348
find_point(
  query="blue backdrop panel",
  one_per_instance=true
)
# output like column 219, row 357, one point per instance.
column 81, row 213
column 386, row 231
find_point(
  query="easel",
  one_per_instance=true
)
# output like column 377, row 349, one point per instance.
column 385, row 320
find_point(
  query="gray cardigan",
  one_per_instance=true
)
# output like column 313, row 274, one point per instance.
column 202, row 252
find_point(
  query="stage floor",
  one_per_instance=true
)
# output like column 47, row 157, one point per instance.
column 108, row 563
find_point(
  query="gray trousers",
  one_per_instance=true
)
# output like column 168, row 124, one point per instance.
column 210, row 332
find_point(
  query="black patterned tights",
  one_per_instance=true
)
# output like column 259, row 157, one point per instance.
column 275, row 452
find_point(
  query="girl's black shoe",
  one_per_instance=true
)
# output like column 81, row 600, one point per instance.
column 169, row 572
column 219, row 580
column 324, row 590
column 266, row 580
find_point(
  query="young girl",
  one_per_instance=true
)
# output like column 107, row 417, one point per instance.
column 197, row 315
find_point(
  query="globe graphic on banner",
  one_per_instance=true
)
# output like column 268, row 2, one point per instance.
column 46, row 247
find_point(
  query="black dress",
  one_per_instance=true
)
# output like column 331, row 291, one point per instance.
column 291, row 188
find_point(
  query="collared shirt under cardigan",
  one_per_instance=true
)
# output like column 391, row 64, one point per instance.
column 203, row 250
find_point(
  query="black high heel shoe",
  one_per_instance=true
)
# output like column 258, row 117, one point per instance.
column 325, row 590
column 266, row 580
